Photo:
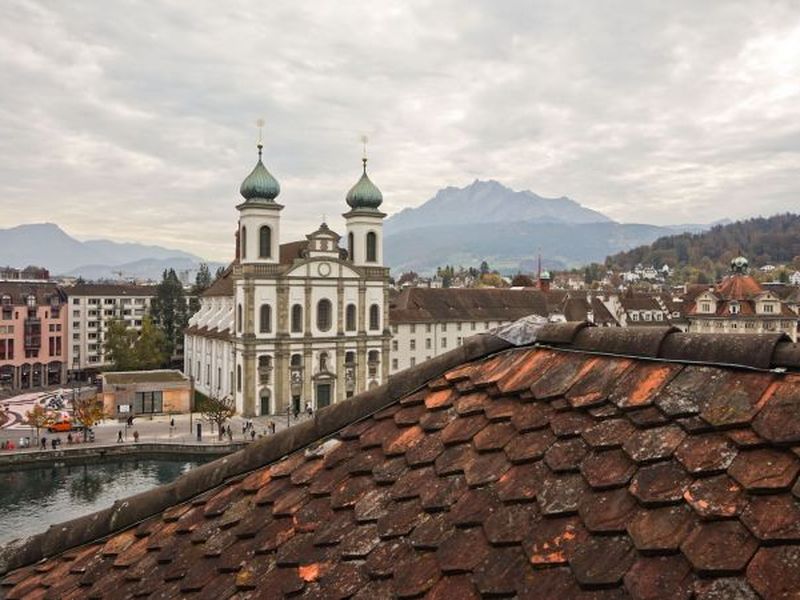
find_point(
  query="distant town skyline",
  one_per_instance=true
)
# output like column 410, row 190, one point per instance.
column 139, row 124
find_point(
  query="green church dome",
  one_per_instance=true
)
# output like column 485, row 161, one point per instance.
column 364, row 194
column 260, row 184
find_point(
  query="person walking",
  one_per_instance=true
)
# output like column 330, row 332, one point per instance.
column 135, row 436
column 44, row 443
column 253, row 434
column 119, row 436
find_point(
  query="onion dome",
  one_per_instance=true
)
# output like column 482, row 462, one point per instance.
column 364, row 194
column 739, row 265
column 260, row 184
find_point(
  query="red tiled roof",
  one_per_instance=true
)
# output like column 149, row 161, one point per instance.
column 738, row 287
column 534, row 473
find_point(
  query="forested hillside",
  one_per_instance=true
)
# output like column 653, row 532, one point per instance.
column 773, row 240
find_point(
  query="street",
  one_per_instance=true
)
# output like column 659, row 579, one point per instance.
column 150, row 428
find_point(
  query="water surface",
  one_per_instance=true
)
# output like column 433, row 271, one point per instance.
column 33, row 499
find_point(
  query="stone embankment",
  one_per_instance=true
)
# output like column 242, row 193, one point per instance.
column 88, row 453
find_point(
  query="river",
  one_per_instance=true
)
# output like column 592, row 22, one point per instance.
column 32, row 499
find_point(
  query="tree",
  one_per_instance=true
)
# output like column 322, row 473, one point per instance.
column 202, row 282
column 492, row 280
column 218, row 410
column 119, row 346
column 39, row 418
column 484, row 267
column 170, row 312
column 219, row 273
column 131, row 350
column 88, row 410
column 521, row 280
column 409, row 277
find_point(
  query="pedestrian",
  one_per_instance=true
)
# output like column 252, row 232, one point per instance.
column 272, row 426
column 230, row 434
column 69, row 438
column 135, row 436
column 119, row 436
column 244, row 429
column 44, row 443
column 53, row 443
column 252, row 434
column 172, row 422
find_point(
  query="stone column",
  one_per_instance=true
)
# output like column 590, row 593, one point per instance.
column 341, row 383
column 249, row 371
column 308, row 366
column 280, row 384
column 361, row 342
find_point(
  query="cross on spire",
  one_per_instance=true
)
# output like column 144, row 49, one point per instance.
column 364, row 140
column 260, row 125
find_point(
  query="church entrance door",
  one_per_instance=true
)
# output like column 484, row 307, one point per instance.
column 265, row 402
column 323, row 395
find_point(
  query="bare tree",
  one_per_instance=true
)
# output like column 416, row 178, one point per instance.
column 219, row 411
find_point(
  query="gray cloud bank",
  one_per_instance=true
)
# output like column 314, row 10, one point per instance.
column 135, row 120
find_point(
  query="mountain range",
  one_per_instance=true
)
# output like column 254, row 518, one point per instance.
column 458, row 226
column 489, row 221
column 47, row 245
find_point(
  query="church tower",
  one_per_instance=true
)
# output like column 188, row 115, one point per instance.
column 259, row 216
column 364, row 222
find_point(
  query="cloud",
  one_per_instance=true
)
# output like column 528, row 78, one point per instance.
column 135, row 121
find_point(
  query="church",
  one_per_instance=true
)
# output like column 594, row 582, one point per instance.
column 298, row 322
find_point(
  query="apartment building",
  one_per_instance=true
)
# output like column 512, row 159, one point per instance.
column 91, row 307
column 32, row 335
column 426, row 322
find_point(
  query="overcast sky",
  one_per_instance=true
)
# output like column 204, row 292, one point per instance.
column 135, row 121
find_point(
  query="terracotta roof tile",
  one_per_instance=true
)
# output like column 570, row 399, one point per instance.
column 533, row 473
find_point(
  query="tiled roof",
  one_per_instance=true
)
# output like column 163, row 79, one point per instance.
column 222, row 285
column 419, row 305
column 109, row 289
column 20, row 290
column 557, row 471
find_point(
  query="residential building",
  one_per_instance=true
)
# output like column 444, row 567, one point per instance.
column 641, row 309
column 794, row 278
column 740, row 304
column 306, row 321
column 427, row 322
column 26, row 274
column 33, row 331
column 92, row 306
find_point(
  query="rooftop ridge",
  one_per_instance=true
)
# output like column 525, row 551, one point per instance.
column 757, row 351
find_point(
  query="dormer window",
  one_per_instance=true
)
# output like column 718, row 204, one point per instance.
column 734, row 308
column 769, row 308
column 705, row 307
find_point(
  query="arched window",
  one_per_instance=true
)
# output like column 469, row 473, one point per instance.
column 297, row 318
column 239, row 318
column 323, row 361
column 374, row 317
column 238, row 378
column 265, row 319
column 372, row 247
column 265, row 242
column 350, row 246
column 349, row 357
column 350, row 317
column 373, row 356
column 324, row 310
column 297, row 360
column 243, row 242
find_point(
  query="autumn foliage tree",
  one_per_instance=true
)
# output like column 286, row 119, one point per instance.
column 88, row 411
column 39, row 418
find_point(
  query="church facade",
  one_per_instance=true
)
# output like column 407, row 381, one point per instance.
column 295, row 323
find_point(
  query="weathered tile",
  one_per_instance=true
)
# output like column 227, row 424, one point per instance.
column 554, row 541
column 660, row 483
column 602, row 560
column 719, row 547
column 773, row 518
column 608, row 469
column 773, row 572
column 661, row 529
column 660, row 577
column 765, row 470
column 706, row 454
column 608, row 511
column 717, row 497
column 653, row 444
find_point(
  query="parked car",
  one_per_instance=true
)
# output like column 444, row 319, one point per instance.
column 64, row 426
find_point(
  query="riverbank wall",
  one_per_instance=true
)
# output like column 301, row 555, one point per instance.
column 91, row 453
